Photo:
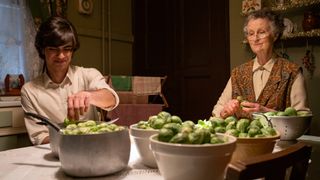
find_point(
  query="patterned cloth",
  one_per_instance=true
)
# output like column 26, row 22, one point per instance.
column 143, row 85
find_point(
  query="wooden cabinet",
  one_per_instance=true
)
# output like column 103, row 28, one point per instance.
column 13, row 133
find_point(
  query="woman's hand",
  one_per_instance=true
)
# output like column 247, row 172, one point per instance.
column 78, row 104
column 230, row 108
column 250, row 107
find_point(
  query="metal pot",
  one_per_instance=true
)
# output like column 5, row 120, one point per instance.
column 91, row 154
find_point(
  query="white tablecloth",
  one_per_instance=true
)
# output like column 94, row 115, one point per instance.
column 37, row 162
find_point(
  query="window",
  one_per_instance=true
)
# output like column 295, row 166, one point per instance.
column 17, row 32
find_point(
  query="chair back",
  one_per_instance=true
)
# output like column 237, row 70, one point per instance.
column 290, row 163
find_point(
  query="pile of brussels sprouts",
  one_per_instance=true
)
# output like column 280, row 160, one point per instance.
column 289, row 111
column 89, row 127
column 243, row 128
column 173, row 130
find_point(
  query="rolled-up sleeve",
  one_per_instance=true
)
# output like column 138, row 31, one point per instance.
column 224, row 98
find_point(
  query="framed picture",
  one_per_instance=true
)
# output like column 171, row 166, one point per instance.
column 85, row 7
column 250, row 5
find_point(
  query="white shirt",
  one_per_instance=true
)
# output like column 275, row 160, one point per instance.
column 298, row 95
column 44, row 97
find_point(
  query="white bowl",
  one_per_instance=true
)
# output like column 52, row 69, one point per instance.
column 193, row 162
column 291, row 127
column 142, row 142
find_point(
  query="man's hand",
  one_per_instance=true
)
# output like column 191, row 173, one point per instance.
column 78, row 104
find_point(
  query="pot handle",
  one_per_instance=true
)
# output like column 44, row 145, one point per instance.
column 44, row 120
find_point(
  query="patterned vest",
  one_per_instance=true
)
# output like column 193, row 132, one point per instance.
column 276, row 93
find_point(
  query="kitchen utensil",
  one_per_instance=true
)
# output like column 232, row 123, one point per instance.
column 44, row 120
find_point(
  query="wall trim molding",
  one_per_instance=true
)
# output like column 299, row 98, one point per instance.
column 93, row 33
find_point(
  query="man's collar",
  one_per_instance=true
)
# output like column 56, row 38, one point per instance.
column 49, row 83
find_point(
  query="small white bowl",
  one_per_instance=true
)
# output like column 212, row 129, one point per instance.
column 142, row 142
column 191, row 161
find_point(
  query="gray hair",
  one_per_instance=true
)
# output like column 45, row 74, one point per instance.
column 276, row 22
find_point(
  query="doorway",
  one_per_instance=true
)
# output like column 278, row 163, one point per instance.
column 188, row 41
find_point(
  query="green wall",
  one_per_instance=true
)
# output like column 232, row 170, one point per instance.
column 240, row 54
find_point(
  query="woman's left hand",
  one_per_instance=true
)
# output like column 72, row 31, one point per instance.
column 250, row 107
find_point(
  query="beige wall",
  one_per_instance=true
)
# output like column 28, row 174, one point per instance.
column 110, row 57
column 239, row 54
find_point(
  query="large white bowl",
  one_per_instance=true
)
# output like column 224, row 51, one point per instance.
column 192, row 162
column 291, row 127
column 142, row 142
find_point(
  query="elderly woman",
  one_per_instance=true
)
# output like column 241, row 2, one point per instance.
column 267, row 82
column 63, row 90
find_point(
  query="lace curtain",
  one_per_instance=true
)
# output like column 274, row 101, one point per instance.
column 18, row 54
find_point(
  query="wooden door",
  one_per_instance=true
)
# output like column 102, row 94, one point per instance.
column 189, row 42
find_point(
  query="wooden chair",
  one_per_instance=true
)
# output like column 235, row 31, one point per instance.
column 290, row 163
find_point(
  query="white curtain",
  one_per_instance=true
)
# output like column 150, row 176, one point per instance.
column 18, row 54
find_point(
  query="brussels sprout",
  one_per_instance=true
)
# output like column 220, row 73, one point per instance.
column 205, row 124
column 188, row 123
column 253, row 132
column 67, row 122
column 230, row 119
column 173, row 126
column 268, row 131
column 220, row 129
column 231, row 125
column 217, row 122
column 112, row 126
column 281, row 113
column 243, row 135
column 290, row 111
column 179, row 138
column 186, row 129
column 233, row 132
column 151, row 119
column 256, row 122
column 75, row 132
column 196, row 137
column 105, row 129
column 81, row 124
column 94, row 128
column 90, row 123
column 165, row 135
column 164, row 115
column 242, row 125
column 303, row 113
column 270, row 113
column 240, row 98
column 259, row 136
column 176, row 119
column 72, row 126
column 158, row 123
column 102, row 125
column 84, row 130
column 216, row 140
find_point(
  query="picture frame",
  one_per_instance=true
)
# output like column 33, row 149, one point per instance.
column 250, row 5
column 85, row 7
